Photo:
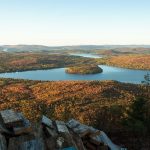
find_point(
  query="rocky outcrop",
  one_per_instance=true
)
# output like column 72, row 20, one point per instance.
column 17, row 133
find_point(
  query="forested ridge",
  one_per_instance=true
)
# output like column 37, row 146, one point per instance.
column 22, row 61
column 12, row 62
column 130, row 61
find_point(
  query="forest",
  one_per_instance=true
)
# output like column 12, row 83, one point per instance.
column 22, row 61
column 12, row 62
column 84, row 69
column 139, row 61
column 102, row 104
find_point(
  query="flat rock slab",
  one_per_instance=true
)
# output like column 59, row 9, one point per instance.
column 11, row 118
column 63, row 130
column 78, row 128
column 73, row 123
column 82, row 129
column 48, row 122
column 94, row 132
column 61, row 127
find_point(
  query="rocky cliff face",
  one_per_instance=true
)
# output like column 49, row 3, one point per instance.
column 17, row 133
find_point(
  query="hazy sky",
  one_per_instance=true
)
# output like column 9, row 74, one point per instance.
column 74, row 22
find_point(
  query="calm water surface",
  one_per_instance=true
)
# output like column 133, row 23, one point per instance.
column 109, row 73
column 86, row 55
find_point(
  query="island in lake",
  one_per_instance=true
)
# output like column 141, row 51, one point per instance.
column 84, row 69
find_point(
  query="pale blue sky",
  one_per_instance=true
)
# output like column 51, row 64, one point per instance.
column 74, row 22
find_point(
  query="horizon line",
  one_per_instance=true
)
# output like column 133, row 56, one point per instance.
column 75, row 45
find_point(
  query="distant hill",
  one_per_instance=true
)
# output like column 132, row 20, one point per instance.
column 13, row 48
column 46, row 48
column 18, row 48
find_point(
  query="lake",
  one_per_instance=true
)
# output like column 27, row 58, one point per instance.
column 109, row 73
column 86, row 55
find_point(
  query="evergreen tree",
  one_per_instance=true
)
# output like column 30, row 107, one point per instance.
column 146, row 79
column 138, row 117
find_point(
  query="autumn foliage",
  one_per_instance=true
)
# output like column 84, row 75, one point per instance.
column 102, row 104
column 65, row 99
column 130, row 61
column 84, row 69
